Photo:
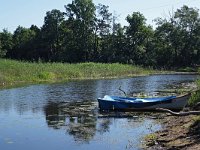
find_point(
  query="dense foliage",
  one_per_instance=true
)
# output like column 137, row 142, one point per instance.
column 89, row 33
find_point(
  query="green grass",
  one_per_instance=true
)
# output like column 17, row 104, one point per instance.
column 195, row 98
column 12, row 71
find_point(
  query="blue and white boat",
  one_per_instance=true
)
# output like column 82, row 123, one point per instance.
column 131, row 103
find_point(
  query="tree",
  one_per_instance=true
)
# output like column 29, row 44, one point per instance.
column 6, row 43
column 138, row 34
column 51, row 35
column 103, row 38
column 81, row 17
column 36, row 44
column 177, row 39
column 119, row 44
column 188, row 20
column 22, row 40
column 163, row 52
column 1, row 51
column 104, row 19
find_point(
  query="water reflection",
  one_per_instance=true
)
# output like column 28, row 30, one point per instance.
column 83, row 128
column 104, row 125
column 79, row 119
column 54, row 116
column 72, row 107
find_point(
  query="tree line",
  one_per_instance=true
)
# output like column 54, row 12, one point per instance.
column 86, row 32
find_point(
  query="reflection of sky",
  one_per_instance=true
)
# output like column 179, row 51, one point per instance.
column 22, row 99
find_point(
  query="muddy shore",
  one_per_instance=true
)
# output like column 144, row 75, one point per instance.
column 179, row 132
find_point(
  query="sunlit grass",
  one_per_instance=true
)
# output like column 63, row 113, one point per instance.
column 195, row 98
column 16, row 71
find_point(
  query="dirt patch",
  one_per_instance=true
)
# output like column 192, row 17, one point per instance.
column 178, row 133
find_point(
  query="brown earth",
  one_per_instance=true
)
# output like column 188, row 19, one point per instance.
column 179, row 133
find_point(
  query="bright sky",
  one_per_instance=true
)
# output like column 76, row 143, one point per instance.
column 28, row 12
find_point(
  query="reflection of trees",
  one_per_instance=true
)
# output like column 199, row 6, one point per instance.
column 82, row 120
column 54, row 116
column 72, row 111
column 78, row 118
column 83, row 128
column 104, row 125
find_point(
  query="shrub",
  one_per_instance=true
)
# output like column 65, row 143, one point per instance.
column 195, row 98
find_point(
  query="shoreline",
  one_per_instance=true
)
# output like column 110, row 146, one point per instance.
column 4, row 85
column 15, row 73
column 179, row 132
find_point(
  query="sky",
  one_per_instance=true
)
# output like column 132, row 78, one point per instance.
column 32, row 12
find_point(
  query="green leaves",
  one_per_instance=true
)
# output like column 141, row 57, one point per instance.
column 138, row 36
column 81, row 17
column 176, row 40
column 6, row 43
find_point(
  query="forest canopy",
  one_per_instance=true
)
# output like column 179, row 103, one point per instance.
column 86, row 32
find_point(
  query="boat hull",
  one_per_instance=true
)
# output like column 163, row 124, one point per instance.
column 173, row 103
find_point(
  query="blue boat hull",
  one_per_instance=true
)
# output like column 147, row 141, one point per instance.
column 124, row 103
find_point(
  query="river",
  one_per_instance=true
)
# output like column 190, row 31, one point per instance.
column 65, row 115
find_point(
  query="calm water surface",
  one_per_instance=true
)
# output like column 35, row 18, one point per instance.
column 65, row 116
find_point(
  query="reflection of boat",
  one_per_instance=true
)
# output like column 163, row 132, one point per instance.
column 126, row 103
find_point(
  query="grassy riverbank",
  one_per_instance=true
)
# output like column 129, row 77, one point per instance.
column 12, row 71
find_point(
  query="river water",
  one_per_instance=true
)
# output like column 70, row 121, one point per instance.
column 65, row 115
